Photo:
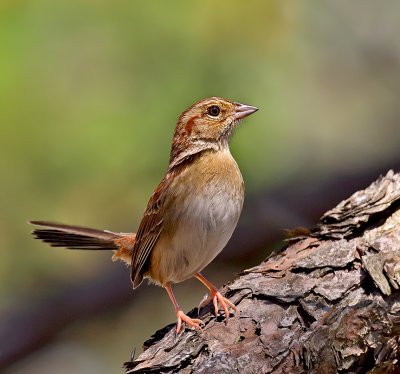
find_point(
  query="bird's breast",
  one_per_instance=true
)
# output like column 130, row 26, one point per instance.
column 208, row 194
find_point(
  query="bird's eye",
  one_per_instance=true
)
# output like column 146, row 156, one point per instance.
column 214, row 110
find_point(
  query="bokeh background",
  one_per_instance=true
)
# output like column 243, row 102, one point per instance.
column 90, row 92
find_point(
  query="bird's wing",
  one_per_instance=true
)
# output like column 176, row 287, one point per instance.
column 149, row 231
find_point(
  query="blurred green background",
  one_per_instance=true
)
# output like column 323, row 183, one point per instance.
column 90, row 92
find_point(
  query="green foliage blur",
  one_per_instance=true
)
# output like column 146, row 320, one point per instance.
column 90, row 92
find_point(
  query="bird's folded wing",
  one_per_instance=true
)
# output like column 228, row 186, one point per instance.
column 149, row 231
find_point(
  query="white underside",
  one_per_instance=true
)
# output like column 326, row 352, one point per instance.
column 204, row 230
column 200, row 220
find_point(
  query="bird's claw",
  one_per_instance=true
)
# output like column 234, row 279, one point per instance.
column 216, row 296
column 190, row 321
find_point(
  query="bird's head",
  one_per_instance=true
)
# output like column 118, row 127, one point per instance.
column 208, row 124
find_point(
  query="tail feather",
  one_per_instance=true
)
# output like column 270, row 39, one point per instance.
column 75, row 237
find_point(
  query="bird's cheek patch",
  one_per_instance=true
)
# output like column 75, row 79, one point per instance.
column 190, row 123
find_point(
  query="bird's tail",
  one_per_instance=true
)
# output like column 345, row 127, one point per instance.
column 76, row 237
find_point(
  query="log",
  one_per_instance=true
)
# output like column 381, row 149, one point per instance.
column 328, row 303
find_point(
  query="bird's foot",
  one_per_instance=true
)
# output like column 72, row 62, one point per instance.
column 216, row 296
column 190, row 321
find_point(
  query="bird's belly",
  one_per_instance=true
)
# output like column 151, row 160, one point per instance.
column 203, row 226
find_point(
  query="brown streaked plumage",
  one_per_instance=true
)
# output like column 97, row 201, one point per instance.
column 191, row 214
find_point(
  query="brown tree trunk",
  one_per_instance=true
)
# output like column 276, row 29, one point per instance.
column 328, row 303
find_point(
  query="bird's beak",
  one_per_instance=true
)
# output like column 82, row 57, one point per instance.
column 243, row 110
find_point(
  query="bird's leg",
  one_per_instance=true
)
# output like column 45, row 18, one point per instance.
column 215, row 296
column 180, row 315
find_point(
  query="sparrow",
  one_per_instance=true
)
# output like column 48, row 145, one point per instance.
column 190, row 216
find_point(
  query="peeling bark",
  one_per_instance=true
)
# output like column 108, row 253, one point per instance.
column 328, row 303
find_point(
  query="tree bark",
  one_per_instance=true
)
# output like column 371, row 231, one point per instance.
column 328, row 303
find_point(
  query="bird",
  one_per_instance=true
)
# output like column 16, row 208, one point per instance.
column 190, row 216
